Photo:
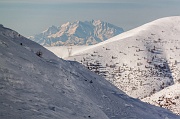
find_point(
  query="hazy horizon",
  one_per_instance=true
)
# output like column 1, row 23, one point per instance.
column 32, row 17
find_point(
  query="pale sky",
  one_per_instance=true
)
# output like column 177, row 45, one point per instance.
column 30, row 17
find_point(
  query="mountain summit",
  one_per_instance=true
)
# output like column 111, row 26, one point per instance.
column 77, row 33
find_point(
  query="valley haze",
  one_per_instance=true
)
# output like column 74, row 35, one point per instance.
column 30, row 17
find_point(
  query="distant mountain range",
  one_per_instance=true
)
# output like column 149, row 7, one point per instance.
column 77, row 33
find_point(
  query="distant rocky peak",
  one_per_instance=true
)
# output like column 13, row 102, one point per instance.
column 66, row 24
column 78, row 33
column 97, row 22
column 51, row 30
column 78, row 22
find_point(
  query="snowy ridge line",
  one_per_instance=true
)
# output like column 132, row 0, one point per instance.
column 141, row 62
column 130, row 33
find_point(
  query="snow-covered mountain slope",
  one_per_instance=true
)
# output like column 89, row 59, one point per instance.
column 65, row 51
column 140, row 62
column 168, row 98
column 77, row 33
column 34, row 86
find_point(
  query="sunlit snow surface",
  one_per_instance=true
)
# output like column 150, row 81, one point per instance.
column 140, row 62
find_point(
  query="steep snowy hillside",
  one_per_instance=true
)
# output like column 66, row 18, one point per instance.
column 140, row 62
column 77, row 33
column 168, row 98
column 38, row 85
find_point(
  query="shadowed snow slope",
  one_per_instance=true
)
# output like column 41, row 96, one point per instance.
column 34, row 86
column 77, row 33
column 140, row 62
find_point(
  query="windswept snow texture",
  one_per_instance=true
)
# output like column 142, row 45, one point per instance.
column 45, row 87
column 140, row 62
column 77, row 33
